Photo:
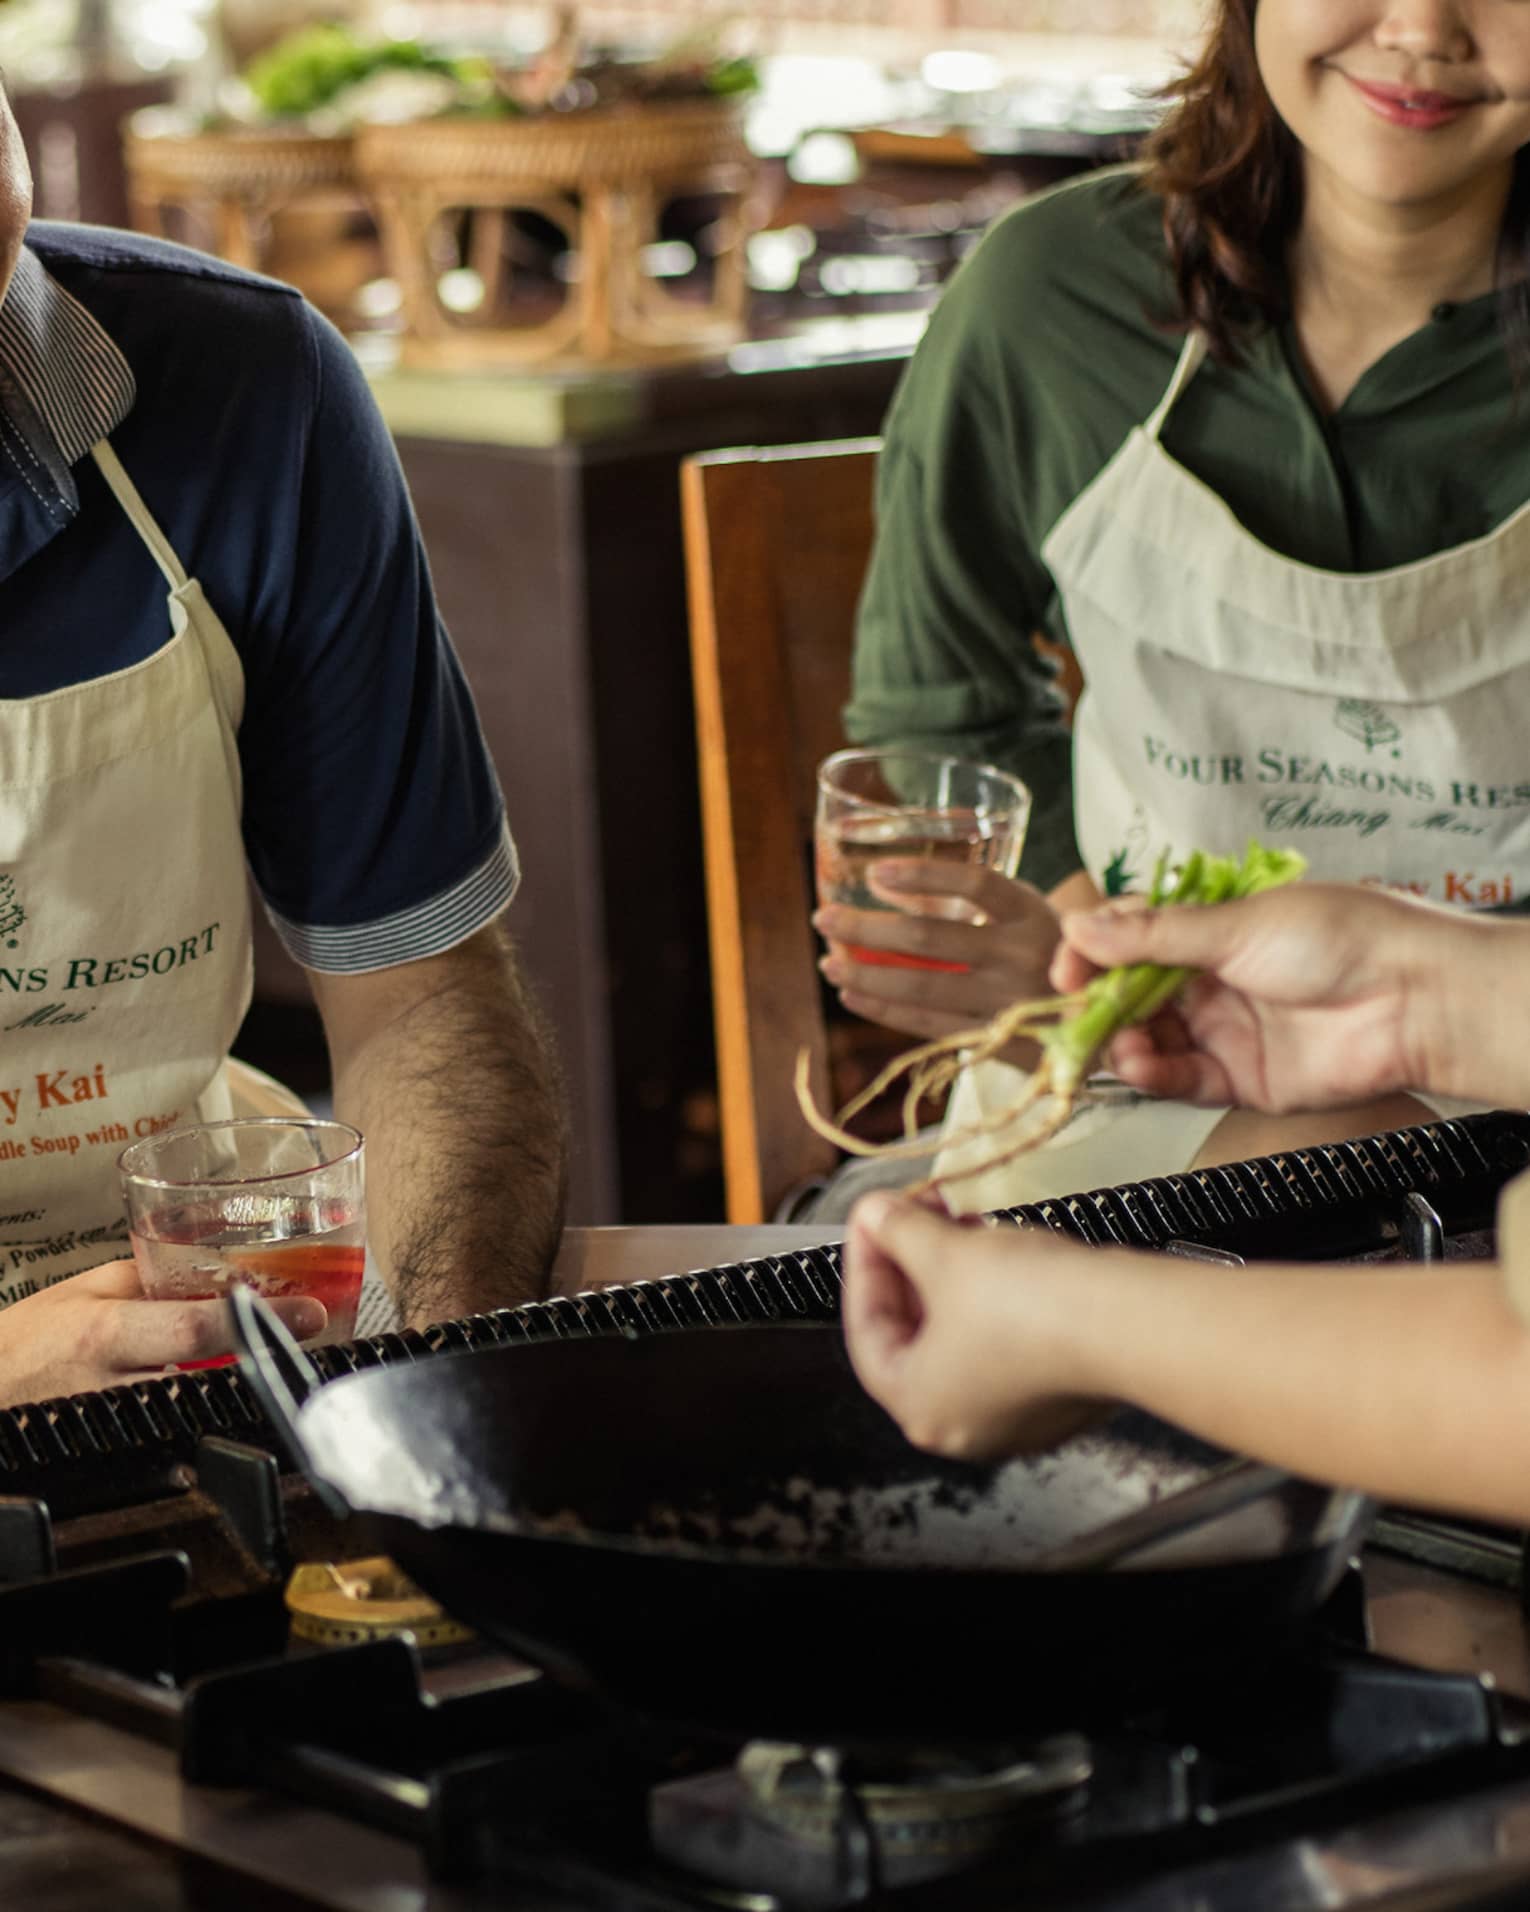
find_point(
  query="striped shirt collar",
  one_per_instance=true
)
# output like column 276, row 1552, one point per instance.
column 63, row 383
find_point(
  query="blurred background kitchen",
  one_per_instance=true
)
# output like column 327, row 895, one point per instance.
column 571, row 249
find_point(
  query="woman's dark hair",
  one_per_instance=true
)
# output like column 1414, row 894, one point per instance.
column 1229, row 173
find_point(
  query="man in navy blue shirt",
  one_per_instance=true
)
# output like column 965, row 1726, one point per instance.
column 219, row 645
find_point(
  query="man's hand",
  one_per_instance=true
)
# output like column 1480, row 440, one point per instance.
column 446, row 1068
column 98, row 1330
column 957, row 1330
column 1315, row 996
column 991, row 935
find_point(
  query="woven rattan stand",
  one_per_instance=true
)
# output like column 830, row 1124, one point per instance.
column 445, row 190
column 235, row 181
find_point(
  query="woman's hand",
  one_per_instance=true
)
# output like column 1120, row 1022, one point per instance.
column 1404, row 1383
column 98, row 1329
column 957, row 1330
column 991, row 936
column 1316, row 996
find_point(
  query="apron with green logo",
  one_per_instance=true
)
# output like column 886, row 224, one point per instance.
column 1371, row 721
column 125, row 964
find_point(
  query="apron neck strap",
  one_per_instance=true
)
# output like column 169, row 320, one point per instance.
column 139, row 515
column 1189, row 364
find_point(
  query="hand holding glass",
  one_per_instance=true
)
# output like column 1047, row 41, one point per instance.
column 269, row 1203
column 877, row 804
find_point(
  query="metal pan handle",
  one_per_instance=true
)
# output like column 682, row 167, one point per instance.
column 1224, row 1492
column 281, row 1377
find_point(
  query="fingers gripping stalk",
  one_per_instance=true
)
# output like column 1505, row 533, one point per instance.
column 1073, row 1031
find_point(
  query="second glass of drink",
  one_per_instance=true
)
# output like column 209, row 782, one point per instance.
column 878, row 804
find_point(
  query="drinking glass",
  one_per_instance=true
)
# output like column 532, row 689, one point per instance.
column 874, row 804
column 272, row 1203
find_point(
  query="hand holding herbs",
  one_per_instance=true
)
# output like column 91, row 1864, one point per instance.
column 1073, row 1030
column 1320, row 997
column 1305, row 998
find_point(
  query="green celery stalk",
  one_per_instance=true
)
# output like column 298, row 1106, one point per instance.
column 1136, row 992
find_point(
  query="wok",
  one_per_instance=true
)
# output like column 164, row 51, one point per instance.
column 718, row 1527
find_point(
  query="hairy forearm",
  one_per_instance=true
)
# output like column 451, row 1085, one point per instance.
column 458, row 1096
column 1410, row 1384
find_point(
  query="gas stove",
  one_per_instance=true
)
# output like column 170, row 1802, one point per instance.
column 152, row 1680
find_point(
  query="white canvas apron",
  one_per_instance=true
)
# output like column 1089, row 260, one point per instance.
column 125, row 963
column 1377, row 722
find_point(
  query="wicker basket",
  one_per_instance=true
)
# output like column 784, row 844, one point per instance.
column 276, row 201
column 445, row 191
column 563, row 151
column 163, row 160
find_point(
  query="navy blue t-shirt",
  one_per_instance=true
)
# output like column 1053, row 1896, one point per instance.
column 372, row 818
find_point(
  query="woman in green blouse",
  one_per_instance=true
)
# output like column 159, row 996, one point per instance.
column 1244, row 429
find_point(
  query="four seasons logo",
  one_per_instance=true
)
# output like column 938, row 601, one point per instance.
column 1367, row 723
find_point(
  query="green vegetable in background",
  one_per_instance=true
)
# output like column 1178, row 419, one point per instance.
column 739, row 75
column 1073, row 1031
column 312, row 67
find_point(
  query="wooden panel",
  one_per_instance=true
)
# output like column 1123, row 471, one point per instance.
column 776, row 549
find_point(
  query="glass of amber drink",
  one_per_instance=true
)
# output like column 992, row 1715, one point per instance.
column 877, row 804
column 273, row 1203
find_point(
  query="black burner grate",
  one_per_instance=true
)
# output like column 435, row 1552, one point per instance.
column 515, row 1791
column 93, row 1452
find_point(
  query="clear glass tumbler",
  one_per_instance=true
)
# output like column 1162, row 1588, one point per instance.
column 875, row 804
column 273, row 1203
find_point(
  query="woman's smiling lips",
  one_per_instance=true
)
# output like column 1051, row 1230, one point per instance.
column 1414, row 107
